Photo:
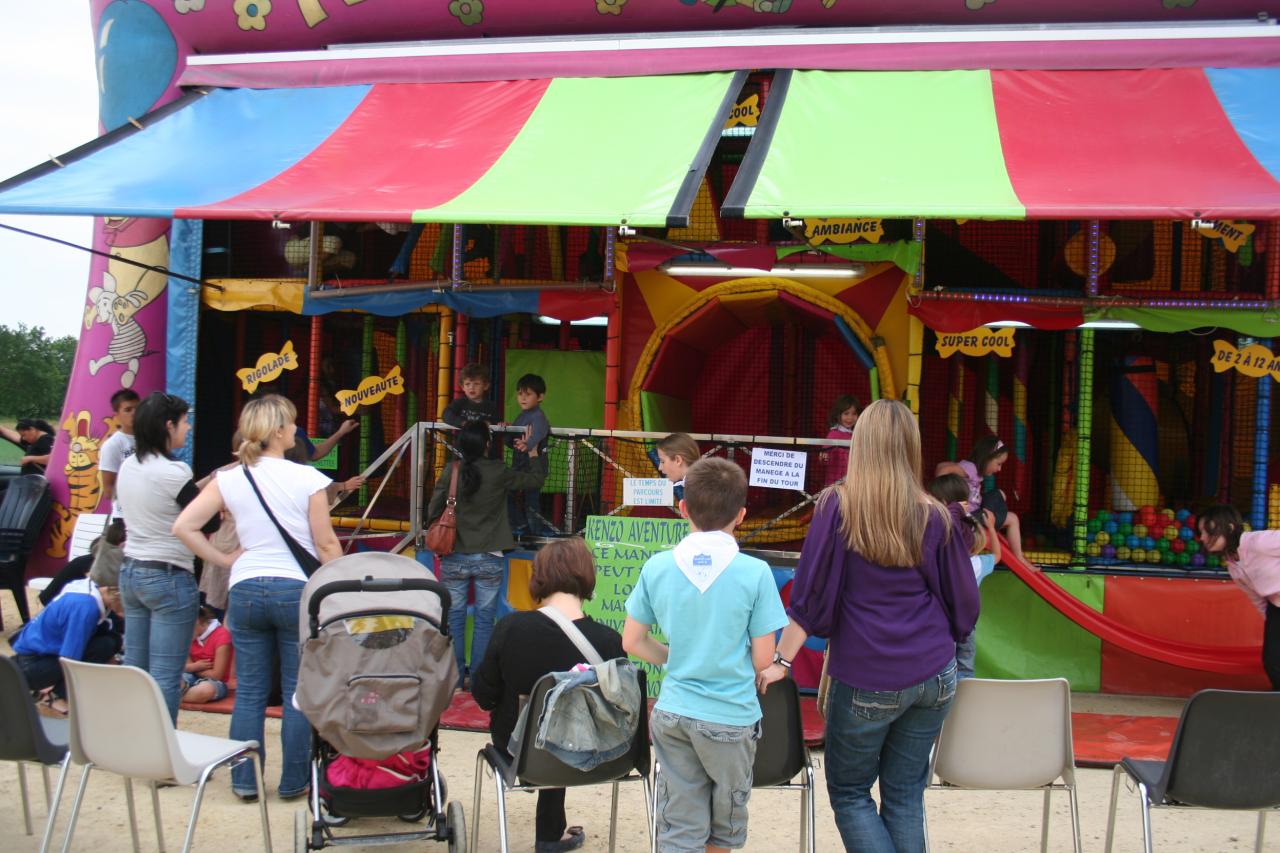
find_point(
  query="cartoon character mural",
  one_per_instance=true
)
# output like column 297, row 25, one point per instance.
column 116, row 305
column 84, row 481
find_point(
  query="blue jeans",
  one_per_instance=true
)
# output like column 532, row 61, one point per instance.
column 458, row 572
column 160, row 607
column 887, row 734
column 262, row 615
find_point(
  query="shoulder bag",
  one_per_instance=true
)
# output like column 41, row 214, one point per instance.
column 307, row 561
column 443, row 532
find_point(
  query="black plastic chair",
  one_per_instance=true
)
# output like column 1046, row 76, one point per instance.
column 534, row 769
column 1224, row 755
column 781, row 755
column 25, row 736
column 23, row 511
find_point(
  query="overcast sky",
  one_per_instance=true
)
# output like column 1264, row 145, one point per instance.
column 48, row 105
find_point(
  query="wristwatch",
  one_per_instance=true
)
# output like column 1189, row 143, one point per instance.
column 781, row 661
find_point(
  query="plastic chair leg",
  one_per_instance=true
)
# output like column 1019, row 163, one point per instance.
column 475, row 800
column 133, row 815
column 262, row 797
column 48, row 797
column 613, row 820
column 53, row 805
column 809, row 831
column 75, row 808
column 155, row 813
column 648, row 806
column 1044, row 821
column 1075, row 817
column 502, row 810
column 1146, row 817
column 1111, row 812
column 653, row 813
column 26, row 804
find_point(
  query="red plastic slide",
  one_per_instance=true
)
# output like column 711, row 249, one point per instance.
column 1224, row 659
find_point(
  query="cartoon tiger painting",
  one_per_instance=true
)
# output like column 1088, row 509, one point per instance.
column 84, row 481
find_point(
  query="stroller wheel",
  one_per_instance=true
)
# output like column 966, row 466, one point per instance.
column 416, row 816
column 457, row 827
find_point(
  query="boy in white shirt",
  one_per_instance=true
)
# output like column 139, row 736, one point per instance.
column 121, row 443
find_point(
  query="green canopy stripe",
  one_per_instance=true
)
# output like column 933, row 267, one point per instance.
column 595, row 151
column 852, row 144
column 1257, row 324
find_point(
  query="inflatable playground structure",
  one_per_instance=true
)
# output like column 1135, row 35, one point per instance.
column 352, row 228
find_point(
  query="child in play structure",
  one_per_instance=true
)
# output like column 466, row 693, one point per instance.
column 474, row 404
column 835, row 460
column 986, row 460
column 719, row 609
column 204, row 678
column 524, row 510
column 952, row 489
column 1253, row 561
column 672, row 456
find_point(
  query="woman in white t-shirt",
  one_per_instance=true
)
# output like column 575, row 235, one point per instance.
column 266, row 581
column 157, row 582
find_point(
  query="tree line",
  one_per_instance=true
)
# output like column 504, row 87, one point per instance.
column 34, row 370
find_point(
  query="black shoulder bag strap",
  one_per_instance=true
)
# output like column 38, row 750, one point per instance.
column 307, row 561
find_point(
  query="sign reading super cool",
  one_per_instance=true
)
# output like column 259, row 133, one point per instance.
column 620, row 547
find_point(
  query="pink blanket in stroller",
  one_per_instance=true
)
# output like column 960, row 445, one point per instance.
column 403, row 768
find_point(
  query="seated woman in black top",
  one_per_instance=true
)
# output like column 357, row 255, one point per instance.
column 526, row 646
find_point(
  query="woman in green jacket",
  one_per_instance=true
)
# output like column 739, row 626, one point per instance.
column 483, row 534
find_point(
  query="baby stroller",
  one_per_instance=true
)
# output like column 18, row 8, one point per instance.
column 376, row 673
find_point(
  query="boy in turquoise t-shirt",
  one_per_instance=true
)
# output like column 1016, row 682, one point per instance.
column 719, row 610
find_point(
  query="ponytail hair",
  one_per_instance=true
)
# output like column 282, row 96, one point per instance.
column 473, row 441
column 258, row 420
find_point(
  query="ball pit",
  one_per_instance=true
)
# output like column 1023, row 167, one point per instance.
column 1149, row 535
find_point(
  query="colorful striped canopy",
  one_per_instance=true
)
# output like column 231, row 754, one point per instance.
column 1175, row 143
column 586, row 151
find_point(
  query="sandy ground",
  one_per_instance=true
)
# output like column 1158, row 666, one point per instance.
column 958, row 820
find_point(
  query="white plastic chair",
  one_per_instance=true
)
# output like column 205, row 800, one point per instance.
column 119, row 722
column 1010, row 736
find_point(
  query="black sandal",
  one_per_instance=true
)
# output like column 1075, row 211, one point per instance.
column 574, row 837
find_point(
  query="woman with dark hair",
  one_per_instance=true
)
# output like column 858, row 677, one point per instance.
column 35, row 437
column 526, row 646
column 157, row 577
column 1253, row 561
column 483, row 534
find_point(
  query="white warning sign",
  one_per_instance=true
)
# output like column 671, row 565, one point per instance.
column 778, row 469
column 648, row 491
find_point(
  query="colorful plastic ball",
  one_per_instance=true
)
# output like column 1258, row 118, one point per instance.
column 1168, row 557
column 1182, row 514
column 1122, row 553
column 1212, row 561
column 1148, row 542
column 1178, row 546
column 1102, row 537
column 1109, row 526
column 1157, row 556
column 1186, row 533
column 1182, row 559
column 1138, row 555
column 1124, row 528
column 1247, row 527
column 1102, row 515
column 1193, row 547
column 1093, row 550
column 1133, row 541
column 1190, row 521
column 1124, row 517
column 1139, row 530
column 1093, row 525
column 1168, row 513
column 1109, row 551
column 1163, row 544
column 1171, row 532
column 1197, row 560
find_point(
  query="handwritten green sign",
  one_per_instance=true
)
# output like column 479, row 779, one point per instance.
column 620, row 547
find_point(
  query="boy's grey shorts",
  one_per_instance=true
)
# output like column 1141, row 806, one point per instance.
column 703, row 783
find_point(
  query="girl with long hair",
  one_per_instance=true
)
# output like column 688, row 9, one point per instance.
column 885, row 578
